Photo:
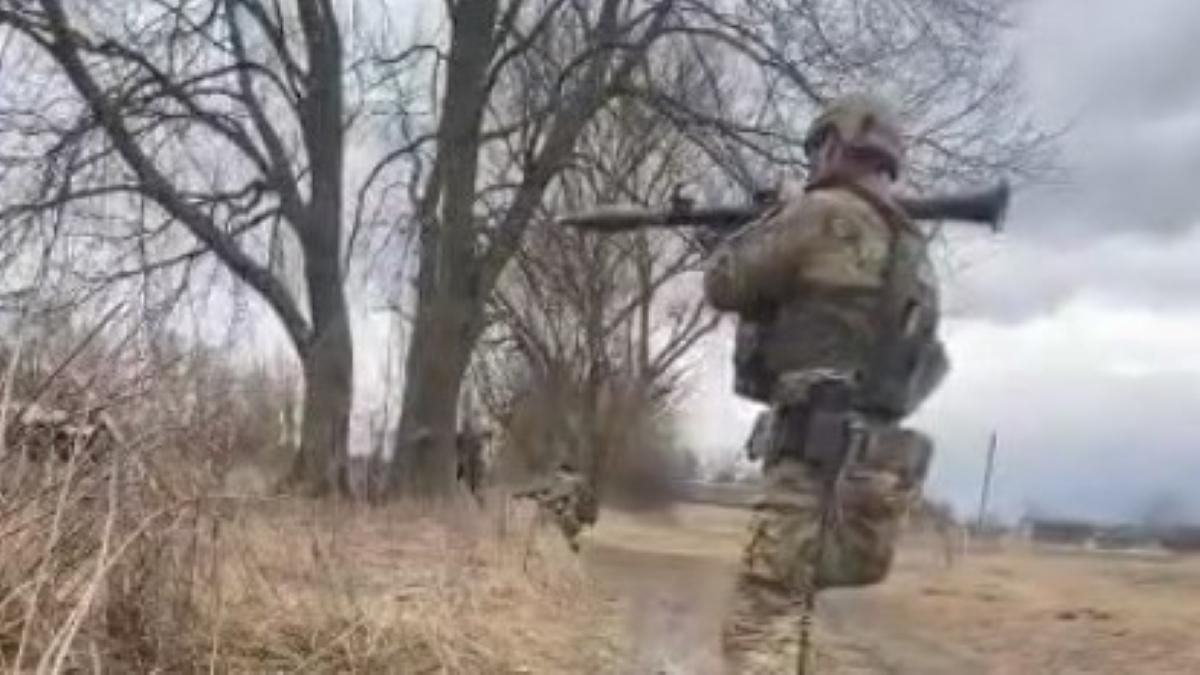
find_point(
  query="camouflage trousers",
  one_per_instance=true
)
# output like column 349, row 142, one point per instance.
column 569, row 524
column 784, row 557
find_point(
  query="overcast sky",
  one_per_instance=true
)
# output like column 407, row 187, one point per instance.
column 1076, row 335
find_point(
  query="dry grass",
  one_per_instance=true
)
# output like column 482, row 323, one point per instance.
column 111, row 568
column 404, row 591
column 1024, row 611
column 699, row 530
column 1001, row 609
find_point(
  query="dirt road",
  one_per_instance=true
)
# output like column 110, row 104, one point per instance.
column 674, row 574
column 995, row 612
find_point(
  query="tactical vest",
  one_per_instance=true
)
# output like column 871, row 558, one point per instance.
column 903, row 362
column 908, row 360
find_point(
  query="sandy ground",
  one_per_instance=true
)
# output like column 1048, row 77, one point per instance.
column 1011, row 611
column 674, row 574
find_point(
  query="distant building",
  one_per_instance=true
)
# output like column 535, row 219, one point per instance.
column 1118, row 537
column 1060, row 531
column 1181, row 539
column 1124, row 537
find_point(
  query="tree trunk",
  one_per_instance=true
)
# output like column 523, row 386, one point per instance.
column 327, row 355
column 448, row 320
column 327, row 362
column 595, row 451
column 423, row 457
column 320, row 466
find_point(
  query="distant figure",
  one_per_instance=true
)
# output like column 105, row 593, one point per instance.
column 50, row 434
column 469, row 444
column 568, row 499
column 953, row 538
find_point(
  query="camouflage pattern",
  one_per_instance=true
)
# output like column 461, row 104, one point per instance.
column 43, row 434
column 785, row 557
column 569, row 501
column 831, row 285
column 820, row 263
column 870, row 503
column 470, row 465
column 861, row 121
column 825, row 239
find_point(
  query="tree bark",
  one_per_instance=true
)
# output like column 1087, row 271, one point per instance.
column 424, row 454
column 320, row 466
column 447, row 320
column 327, row 357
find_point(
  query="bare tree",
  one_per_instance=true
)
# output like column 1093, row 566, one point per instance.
column 597, row 328
column 522, row 81
column 224, row 118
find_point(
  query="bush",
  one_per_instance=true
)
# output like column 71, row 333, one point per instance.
column 624, row 439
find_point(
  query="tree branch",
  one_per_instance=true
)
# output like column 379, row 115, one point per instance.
column 155, row 185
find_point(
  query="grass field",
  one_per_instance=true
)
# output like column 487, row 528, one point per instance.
column 291, row 586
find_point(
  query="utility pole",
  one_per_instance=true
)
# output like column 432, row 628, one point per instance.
column 986, row 489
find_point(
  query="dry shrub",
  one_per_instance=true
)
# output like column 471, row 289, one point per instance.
column 93, row 566
column 131, row 560
column 399, row 590
column 644, row 458
column 116, row 567
column 627, row 438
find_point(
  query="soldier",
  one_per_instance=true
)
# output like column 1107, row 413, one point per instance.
column 45, row 434
column 567, row 498
column 469, row 444
column 838, row 315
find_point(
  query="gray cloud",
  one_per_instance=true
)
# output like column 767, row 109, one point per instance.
column 1120, row 75
column 1016, row 279
column 1122, row 222
column 1090, row 445
column 1111, row 59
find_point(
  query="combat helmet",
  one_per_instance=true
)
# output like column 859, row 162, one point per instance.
column 861, row 121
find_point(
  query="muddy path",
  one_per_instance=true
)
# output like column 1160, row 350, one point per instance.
column 674, row 603
column 673, row 575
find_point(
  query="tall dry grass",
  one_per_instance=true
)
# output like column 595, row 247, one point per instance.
column 132, row 564
column 93, row 564
column 137, row 560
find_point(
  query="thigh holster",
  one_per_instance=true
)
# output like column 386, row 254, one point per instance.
column 813, row 421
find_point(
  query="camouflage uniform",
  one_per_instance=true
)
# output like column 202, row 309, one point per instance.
column 470, row 468
column 45, row 434
column 569, row 501
column 838, row 316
